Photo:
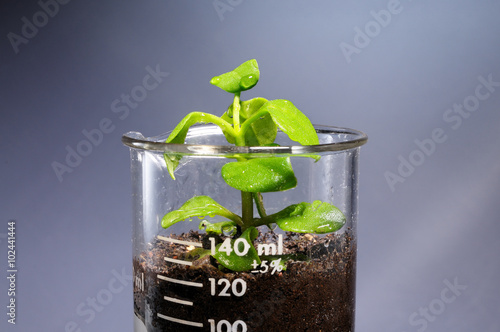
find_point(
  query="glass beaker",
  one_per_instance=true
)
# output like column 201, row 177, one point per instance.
column 294, row 279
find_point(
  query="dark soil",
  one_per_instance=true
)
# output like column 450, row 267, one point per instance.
column 317, row 295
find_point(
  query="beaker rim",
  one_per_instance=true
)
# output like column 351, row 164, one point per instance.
column 343, row 139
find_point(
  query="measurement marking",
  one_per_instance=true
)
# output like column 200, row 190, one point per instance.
column 187, row 243
column 171, row 299
column 180, row 321
column 182, row 282
column 178, row 261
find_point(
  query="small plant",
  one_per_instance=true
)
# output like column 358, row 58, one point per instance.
column 253, row 122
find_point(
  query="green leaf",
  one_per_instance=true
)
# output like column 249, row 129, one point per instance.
column 172, row 161
column 198, row 206
column 226, row 227
column 262, row 131
column 230, row 138
column 260, row 174
column 178, row 135
column 200, row 252
column 242, row 78
column 318, row 217
column 291, row 121
column 235, row 262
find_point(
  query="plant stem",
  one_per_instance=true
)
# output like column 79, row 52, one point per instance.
column 259, row 203
column 246, row 208
column 246, row 125
column 246, row 197
column 240, row 136
column 236, row 112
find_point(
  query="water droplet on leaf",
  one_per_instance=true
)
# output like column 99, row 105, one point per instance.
column 228, row 230
column 248, row 81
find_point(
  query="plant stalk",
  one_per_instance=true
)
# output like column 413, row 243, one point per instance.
column 236, row 112
column 246, row 209
column 246, row 197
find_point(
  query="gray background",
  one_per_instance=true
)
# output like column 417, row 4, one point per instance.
column 438, row 225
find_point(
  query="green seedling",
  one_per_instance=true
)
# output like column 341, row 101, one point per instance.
column 253, row 122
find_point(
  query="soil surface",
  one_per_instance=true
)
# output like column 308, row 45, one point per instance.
column 314, row 295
